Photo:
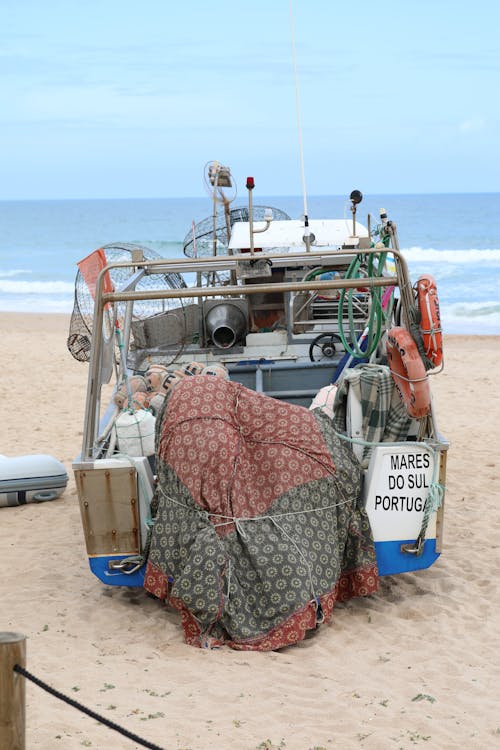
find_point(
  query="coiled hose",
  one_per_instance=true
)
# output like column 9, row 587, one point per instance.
column 376, row 318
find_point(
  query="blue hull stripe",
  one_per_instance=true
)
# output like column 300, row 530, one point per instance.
column 390, row 561
column 99, row 567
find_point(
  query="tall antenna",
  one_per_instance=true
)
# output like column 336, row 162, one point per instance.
column 299, row 126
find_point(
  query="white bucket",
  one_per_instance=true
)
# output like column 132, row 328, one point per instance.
column 135, row 433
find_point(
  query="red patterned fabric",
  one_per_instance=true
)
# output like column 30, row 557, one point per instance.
column 258, row 531
column 208, row 428
column 361, row 583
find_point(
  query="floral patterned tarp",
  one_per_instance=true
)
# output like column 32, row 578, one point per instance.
column 258, row 528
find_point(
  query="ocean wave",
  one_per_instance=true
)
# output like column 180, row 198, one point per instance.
column 165, row 248
column 162, row 243
column 457, row 257
column 36, row 287
column 472, row 317
column 475, row 309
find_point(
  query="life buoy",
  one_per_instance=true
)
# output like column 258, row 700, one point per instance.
column 408, row 372
column 430, row 319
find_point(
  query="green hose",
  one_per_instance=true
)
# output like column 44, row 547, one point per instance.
column 376, row 316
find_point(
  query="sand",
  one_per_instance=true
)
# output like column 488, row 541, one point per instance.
column 415, row 665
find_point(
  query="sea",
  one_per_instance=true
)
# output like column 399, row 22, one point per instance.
column 454, row 237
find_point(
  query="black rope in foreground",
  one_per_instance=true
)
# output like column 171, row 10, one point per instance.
column 88, row 711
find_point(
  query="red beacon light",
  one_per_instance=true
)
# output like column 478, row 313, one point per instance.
column 250, row 183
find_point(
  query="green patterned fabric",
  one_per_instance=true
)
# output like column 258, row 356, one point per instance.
column 252, row 553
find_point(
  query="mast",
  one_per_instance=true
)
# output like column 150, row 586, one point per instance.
column 307, row 236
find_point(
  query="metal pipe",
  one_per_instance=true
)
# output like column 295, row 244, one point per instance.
column 250, row 187
column 93, row 385
column 191, row 265
column 259, row 379
column 238, row 291
column 226, row 324
column 214, row 216
column 266, row 365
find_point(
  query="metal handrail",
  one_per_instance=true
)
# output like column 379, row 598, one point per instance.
column 192, row 265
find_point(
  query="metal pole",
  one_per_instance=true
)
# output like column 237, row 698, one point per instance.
column 237, row 291
column 214, row 217
column 250, row 186
column 12, row 692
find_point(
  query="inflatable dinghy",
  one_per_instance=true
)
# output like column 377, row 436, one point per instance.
column 30, row 479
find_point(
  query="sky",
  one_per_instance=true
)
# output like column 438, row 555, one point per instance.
column 118, row 99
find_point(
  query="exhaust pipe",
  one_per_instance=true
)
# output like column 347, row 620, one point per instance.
column 226, row 324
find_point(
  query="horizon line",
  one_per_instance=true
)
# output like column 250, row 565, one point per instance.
column 276, row 195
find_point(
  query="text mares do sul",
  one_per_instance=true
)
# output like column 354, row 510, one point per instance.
column 408, row 472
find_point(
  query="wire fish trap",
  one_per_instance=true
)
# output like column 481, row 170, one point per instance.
column 80, row 330
column 200, row 242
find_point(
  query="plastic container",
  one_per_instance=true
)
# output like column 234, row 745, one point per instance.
column 135, row 433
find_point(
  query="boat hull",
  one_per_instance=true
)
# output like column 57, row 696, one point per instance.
column 390, row 561
column 397, row 484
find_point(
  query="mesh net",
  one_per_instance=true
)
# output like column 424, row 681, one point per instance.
column 200, row 241
column 81, row 323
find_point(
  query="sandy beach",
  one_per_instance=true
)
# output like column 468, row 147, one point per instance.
column 416, row 665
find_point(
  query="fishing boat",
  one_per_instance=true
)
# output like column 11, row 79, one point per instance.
column 283, row 356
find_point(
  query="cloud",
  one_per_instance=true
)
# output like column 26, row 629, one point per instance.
column 472, row 125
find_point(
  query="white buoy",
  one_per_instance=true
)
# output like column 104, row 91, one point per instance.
column 135, row 432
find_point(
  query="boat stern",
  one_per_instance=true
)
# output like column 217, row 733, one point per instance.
column 114, row 496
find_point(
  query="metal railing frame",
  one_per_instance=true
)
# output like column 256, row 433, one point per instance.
column 130, row 295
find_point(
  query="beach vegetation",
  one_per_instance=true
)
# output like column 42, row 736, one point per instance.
column 107, row 686
column 156, row 715
column 424, row 697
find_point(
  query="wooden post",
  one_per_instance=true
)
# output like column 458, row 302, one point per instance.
column 12, row 692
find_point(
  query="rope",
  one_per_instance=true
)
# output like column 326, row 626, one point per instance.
column 301, row 555
column 165, row 441
column 409, row 380
column 124, row 364
column 93, row 715
column 433, row 502
column 237, row 520
column 434, row 498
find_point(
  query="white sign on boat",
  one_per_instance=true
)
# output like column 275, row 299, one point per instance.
column 397, row 483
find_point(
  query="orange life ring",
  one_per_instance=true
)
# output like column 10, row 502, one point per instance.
column 408, row 372
column 430, row 319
